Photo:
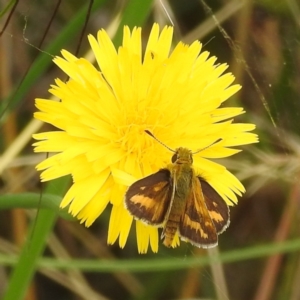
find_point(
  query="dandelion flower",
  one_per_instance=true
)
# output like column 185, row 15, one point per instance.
column 104, row 111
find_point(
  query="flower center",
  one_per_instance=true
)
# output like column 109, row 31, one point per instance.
column 132, row 135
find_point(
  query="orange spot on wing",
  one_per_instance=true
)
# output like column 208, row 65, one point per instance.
column 216, row 216
column 142, row 200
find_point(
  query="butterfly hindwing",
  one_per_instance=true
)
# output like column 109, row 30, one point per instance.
column 148, row 199
column 196, row 225
column 217, row 207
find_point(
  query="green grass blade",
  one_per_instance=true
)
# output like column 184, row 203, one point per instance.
column 134, row 14
column 147, row 265
column 171, row 263
column 32, row 200
column 34, row 246
column 7, row 7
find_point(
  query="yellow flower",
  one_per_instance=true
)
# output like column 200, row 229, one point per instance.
column 103, row 114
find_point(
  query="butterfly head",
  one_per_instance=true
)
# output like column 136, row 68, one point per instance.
column 182, row 156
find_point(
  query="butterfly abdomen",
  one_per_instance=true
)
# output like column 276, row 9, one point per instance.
column 183, row 180
column 169, row 232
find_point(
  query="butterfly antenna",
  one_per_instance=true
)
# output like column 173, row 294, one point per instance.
column 151, row 134
column 215, row 142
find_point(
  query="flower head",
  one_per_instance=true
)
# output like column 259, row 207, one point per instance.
column 104, row 111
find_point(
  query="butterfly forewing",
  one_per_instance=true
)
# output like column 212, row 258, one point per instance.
column 217, row 208
column 196, row 225
column 148, row 199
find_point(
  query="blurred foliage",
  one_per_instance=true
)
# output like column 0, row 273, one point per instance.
column 262, row 240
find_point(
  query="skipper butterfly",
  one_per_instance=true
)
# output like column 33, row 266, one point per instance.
column 178, row 200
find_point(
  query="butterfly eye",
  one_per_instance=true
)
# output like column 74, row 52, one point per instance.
column 174, row 158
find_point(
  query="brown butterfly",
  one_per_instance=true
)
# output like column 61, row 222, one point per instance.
column 179, row 201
